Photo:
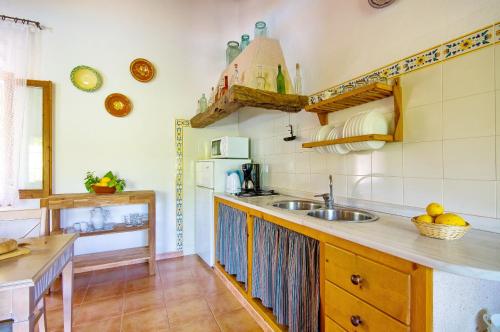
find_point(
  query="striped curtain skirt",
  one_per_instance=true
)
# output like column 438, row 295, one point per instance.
column 285, row 275
column 231, row 245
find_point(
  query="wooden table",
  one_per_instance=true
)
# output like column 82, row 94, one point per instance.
column 114, row 258
column 25, row 279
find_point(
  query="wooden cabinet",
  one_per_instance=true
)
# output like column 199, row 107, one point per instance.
column 361, row 289
column 383, row 287
column 368, row 290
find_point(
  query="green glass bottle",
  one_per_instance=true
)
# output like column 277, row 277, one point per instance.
column 280, row 82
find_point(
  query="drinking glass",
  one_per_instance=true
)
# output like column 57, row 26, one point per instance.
column 232, row 51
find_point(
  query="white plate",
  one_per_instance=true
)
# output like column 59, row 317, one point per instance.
column 322, row 135
column 340, row 148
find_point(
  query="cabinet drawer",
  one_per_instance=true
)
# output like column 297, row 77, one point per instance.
column 345, row 309
column 331, row 326
column 385, row 288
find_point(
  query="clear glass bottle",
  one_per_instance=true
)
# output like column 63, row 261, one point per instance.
column 235, row 77
column 280, row 82
column 203, row 103
column 260, row 29
column 211, row 100
column 232, row 51
column 297, row 82
column 245, row 41
column 260, row 81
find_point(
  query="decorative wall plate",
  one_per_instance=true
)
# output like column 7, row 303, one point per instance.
column 86, row 78
column 118, row 105
column 142, row 70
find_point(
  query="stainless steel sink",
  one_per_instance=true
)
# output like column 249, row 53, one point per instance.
column 343, row 214
column 297, row 205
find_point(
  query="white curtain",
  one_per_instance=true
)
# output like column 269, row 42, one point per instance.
column 16, row 54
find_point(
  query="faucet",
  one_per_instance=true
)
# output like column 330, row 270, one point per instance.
column 328, row 197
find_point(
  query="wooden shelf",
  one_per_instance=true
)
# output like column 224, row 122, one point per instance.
column 113, row 258
column 353, row 139
column 110, row 259
column 240, row 96
column 356, row 97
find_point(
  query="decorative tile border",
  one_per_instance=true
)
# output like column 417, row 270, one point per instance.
column 462, row 45
column 179, row 174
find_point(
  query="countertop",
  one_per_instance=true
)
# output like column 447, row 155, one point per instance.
column 475, row 255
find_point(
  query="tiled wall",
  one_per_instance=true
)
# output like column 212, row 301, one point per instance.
column 450, row 153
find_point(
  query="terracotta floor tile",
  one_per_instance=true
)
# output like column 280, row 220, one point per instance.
column 108, row 325
column 211, row 285
column 143, row 300
column 181, row 292
column 137, row 271
column 98, row 310
column 239, row 320
column 221, row 303
column 143, row 284
column 104, row 291
column 176, row 278
column 108, row 275
column 81, row 280
column 205, row 325
column 54, row 299
column 184, row 312
column 149, row 320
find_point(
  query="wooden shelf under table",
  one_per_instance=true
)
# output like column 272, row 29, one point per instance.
column 110, row 259
column 353, row 139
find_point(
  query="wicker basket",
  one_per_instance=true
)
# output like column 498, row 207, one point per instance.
column 100, row 190
column 440, row 231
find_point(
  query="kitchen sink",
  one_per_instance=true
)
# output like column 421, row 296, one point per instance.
column 297, row 205
column 343, row 214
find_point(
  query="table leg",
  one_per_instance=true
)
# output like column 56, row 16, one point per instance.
column 67, row 289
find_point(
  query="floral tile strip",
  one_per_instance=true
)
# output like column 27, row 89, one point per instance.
column 179, row 176
column 468, row 43
column 422, row 59
column 448, row 50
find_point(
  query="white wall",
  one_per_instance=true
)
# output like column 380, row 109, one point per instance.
column 186, row 42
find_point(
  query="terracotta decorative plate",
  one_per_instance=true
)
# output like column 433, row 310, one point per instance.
column 142, row 70
column 86, row 78
column 118, row 105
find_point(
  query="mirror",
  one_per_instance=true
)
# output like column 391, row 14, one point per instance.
column 35, row 162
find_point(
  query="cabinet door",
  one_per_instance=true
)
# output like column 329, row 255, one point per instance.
column 331, row 326
column 385, row 288
column 354, row 314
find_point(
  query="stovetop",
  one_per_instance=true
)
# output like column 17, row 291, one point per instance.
column 253, row 193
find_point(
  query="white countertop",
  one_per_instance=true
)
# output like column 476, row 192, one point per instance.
column 475, row 255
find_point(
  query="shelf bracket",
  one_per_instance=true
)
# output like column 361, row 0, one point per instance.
column 323, row 118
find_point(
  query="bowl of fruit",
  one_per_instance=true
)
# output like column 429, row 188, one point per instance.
column 440, row 225
column 108, row 184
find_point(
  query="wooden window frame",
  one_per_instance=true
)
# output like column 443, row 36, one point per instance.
column 46, row 142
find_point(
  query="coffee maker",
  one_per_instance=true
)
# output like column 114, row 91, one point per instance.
column 251, row 181
column 248, row 180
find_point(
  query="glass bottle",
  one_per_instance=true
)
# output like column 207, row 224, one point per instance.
column 260, row 81
column 260, row 29
column 235, row 77
column 245, row 41
column 280, row 82
column 211, row 100
column 298, row 80
column 203, row 103
column 232, row 51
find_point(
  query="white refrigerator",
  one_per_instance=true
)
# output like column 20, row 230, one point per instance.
column 210, row 179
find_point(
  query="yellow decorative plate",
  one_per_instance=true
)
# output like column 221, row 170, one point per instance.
column 118, row 105
column 86, row 78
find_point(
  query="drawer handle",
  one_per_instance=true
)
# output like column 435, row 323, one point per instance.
column 356, row 279
column 356, row 320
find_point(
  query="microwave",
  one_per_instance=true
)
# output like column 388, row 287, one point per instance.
column 228, row 147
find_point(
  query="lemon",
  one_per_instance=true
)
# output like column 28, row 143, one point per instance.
column 450, row 219
column 434, row 209
column 425, row 218
column 105, row 179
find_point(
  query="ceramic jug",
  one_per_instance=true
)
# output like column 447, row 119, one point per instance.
column 98, row 217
